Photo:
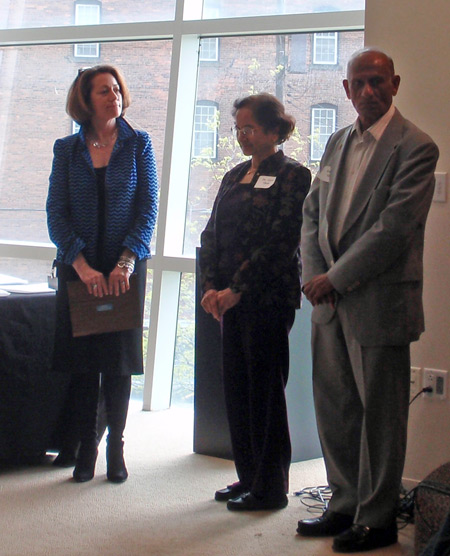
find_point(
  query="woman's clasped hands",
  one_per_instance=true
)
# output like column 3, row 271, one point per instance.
column 118, row 281
column 217, row 303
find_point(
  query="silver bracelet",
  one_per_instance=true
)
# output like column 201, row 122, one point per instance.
column 126, row 262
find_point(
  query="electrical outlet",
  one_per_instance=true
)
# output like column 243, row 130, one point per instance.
column 416, row 383
column 437, row 381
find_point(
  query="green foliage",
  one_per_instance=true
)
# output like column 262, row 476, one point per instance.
column 278, row 70
column 183, row 369
column 254, row 66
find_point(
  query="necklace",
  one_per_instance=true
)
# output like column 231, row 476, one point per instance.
column 251, row 171
column 96, row 144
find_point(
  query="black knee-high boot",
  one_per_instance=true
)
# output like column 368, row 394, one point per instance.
column 87, row 402
column 67, row 436
column 117, row 395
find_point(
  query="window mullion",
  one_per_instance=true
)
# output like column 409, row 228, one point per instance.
column 171, row 221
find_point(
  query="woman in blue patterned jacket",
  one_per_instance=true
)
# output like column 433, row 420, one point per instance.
column 101, row 210
column 250, row 270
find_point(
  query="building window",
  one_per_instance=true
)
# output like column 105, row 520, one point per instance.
column 297, row 53
column 325, row 48
column 323, row 124
column 209, row 49
column 205, row 130
column 87, row 14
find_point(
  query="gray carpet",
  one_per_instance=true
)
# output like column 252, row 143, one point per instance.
column 166, row 507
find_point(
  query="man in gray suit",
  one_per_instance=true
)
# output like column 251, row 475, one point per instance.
column 362, row 249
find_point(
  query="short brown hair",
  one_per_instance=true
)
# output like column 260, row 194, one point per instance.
column 269, row 113
column 78, row 104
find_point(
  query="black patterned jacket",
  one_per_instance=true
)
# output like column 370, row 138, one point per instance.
column 269, row 268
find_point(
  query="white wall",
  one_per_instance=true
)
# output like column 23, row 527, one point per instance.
column 415, row 34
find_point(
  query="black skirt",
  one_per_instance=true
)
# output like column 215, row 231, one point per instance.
column 118, row 353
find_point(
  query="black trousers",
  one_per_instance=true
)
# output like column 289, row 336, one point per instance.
column 255, row 372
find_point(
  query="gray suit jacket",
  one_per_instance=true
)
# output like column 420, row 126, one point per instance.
column 377, row 267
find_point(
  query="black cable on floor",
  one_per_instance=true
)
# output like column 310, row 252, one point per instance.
column 315, row 498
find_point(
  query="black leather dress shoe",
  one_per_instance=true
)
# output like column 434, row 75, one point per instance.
column 250, row 503
column 229, row 492
column 360, row 538
column 327, row 525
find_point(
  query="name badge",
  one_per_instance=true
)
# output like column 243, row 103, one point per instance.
column 264, row 182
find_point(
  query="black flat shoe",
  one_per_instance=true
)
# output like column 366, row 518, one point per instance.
column 249, row 503
column 361, row 539
column 229, row 492
column 327, row 525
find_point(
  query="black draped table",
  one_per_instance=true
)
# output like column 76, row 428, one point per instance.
column 31, row 395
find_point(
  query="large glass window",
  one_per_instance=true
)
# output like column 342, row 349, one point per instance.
column 137, row 382
column 259, row 64
column 214, row 9
column 26, row 269
column 183, row 367
column 183, row 77
column 46, row 13
column 33, row 116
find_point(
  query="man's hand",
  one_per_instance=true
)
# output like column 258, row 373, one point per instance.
column 319, row 290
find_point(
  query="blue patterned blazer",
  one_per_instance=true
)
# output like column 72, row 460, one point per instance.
column 131, row 197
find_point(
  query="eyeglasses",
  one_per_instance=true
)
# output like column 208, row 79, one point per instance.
column 246, row 131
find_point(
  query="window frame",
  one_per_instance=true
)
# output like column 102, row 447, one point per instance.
column 325, row 106
column 204, row 59
column 168, row 263
column 327, row 62
column 78, row 48
column 214, row 142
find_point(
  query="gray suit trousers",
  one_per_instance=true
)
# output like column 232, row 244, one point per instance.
column 361, row 398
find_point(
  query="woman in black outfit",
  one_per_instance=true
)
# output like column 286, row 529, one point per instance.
column 250, row 271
